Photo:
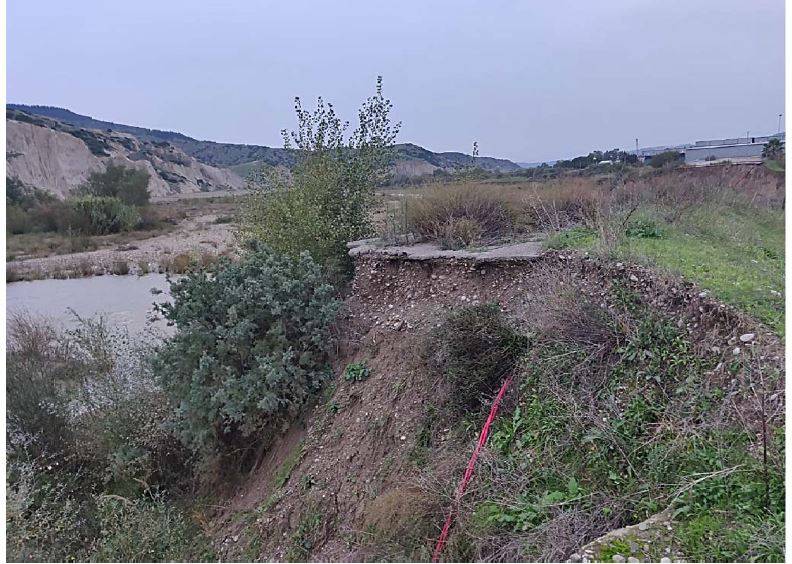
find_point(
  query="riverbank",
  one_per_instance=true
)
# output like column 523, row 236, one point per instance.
column 198, row 230
column 198, row 239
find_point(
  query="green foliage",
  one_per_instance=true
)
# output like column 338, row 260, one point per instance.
column 326, row 200
column 480, row 347
column 356, row 372
column 89, row 460
column 303, row 539
column 100, row 215
column 148, row 530
column 575, row 237
column 736, row 251
column 666, row 158
column 614, row 547
column 616, row 430
column 130, row 185
column 528, row 510
column 30, row 210
column 643, row 228
column 773, row 150
column 250, row 347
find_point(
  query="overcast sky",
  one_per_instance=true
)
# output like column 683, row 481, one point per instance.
column 529, row 80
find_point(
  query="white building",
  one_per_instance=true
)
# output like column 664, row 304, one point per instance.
column 737, row 150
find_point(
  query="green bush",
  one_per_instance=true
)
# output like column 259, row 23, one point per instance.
column 30, row 210
column 250, row 347
column 480, row 348
column 326, row 199
column 666, row 158
column 88, row 451
column 130, row 185
column 148, row 530
column 100, row 215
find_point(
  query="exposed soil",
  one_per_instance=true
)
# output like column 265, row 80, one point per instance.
column 358, row 469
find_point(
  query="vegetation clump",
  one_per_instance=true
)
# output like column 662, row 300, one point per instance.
column 249, row 349
column 326, row 199
column 88, row 459
column 616, row 420
column 111, row 201
column 130, row 185
column 479, row 348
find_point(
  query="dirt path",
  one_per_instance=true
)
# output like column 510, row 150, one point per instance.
column 196, row 236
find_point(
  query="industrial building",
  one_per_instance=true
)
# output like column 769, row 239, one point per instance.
column 737, row 150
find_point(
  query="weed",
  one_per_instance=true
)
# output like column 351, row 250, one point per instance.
column 356, row 372
column 302, row 540
column 284, row 471
column 480, row 347
column 120, row 267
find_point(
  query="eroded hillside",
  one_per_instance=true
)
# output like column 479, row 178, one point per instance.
column 635, row 393
column 50, row 155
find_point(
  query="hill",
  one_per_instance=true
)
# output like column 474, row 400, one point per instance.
column 57, row 156
column 411, row 160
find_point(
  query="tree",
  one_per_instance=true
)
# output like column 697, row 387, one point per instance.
column 773, row 150
column 326, row 200
column 665, row 158
column 130, row 185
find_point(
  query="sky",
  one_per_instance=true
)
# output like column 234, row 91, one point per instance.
column 528, row 80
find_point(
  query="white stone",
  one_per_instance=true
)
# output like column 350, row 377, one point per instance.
column 748, row 337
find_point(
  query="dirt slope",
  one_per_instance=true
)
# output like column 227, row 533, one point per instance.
column 57, row 158
column 353, row 476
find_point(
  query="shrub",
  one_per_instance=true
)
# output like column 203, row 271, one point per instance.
column 85, row 427
column 356, row 372
column 665, row 158
column 120, row 267
column 327, row 198
column 460, row 215
column 100, row 215
column 39, row 367
column 249, row 349
column 160, row 531
column 43, row 522
column 130, row 185
column 479, row 349
column 30, row 210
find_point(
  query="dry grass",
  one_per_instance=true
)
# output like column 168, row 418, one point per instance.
column 469, row 214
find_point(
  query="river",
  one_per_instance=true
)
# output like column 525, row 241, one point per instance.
column 124, row 301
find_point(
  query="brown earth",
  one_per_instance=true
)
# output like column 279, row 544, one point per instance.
column 361, row 479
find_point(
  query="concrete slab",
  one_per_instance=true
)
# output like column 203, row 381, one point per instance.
column 431, row 251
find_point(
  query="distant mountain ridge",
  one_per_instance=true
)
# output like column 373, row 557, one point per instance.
column 412, row 160
column 56, row 156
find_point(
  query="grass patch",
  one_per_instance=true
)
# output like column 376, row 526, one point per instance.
column 576, row 237
column 356, row 372
column 285, row 469
column 735, row 252
column 614, row 421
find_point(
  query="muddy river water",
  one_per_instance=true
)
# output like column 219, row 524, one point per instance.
column 123, row 300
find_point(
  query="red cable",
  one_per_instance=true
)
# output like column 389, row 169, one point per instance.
column 441, row 540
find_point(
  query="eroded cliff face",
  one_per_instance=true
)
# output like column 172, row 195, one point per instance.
column 55, row 157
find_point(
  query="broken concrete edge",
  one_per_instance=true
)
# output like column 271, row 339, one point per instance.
column 654, row 529
column 522, row 251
